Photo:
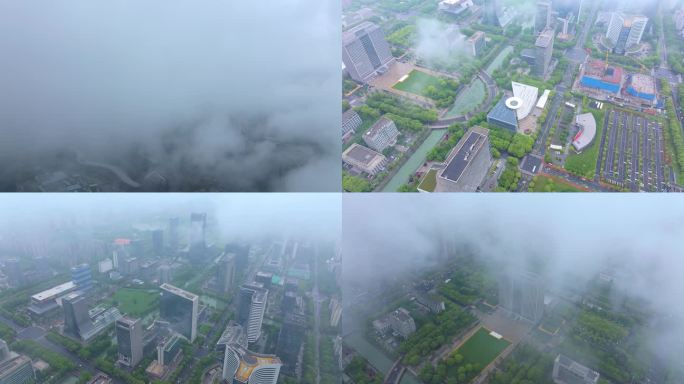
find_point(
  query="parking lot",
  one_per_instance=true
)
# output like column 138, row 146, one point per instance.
column 633, row 156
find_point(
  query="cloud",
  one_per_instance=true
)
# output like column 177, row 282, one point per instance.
column 243, row 95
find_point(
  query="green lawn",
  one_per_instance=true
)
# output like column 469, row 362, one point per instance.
column 482, row 348
column 136, row 302
column 546, row 184
column 584, row 164
column 429, row 182
column 417, row 82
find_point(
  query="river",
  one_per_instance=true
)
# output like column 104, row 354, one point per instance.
column 414, row 162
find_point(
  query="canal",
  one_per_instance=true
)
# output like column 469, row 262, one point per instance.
column 496, row 63
column 414, row 162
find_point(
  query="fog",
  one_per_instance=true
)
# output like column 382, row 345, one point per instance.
column 437, row 41
column 639, row 238
column 31, row 218
column 212, row 95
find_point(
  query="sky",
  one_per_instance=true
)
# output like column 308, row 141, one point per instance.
column 641, row 236
column 242, row 93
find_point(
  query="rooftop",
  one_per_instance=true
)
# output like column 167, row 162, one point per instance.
column 12, row 365
column 352, row 34
column 379, row 125
column 464, row 153
column 350, row 114
column 177, row 291
column 502, row 113
column 477, row 35
column 545, row 38
column 587, row 132
column 361, row 154
column 54, row 291
column 250, row 361
column 643, row 83
column 528, row 94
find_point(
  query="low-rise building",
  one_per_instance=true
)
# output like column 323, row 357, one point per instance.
column 364, row 159
column 382, row 134
column 568, row 371
column 433, row 302
column 402, row 323
column 467, row 164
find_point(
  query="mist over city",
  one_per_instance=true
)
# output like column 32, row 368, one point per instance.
column 604, row 272
column 170, row 288
column 168, row 96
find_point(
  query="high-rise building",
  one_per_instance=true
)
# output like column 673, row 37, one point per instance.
column 290, row 340
column 491, row 13
column 382, row 134
column 179, row 308
column 225, row 272
column 350, row 122
column 251, row 308
column 241, row 365
column 17, row 370
column 158, row 241
column 198, row 245
column 522, row 294
column 543, row 49
column 129, row 340
column 542, row 19
column 567, row 371
column 164, row 274
column 241, row 252
column 477, row 43
column 624, row 32
column 365, row 52
column 81, row 276
column 75, row 313
column 174, row 223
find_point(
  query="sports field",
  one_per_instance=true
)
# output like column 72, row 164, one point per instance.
column 416, row 83
column 136, row 302
column 482, row 348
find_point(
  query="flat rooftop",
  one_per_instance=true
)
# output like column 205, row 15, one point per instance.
column 463, row 155
column 54, row 291
column 362, row 154
column 175, row 290
column 545, row 39
column 587, row 132
column 353, row 33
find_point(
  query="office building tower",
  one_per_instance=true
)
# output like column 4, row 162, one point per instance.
column 251, row 308
column 350, row 122
column 522, row 294
column 164, row 274
column 542, row 19
column 198, row 245
column 625, row 32
column 365, row 52
column 81, row 276
column 75, row 313
column 491, row 11
column 225, row 272
column 476, row 43
column 174, row 223
column 129, row 339
column 382, row 134
column 567, row 371
column 241, row 252
column 242, row 366
column 17, row 370
column 543, row 49
column 158, row 241
column 290, row 340
column 179, row 308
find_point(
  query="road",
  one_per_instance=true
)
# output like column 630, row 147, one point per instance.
column 317, row 318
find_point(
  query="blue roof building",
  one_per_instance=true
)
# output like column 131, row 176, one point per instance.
column 502, row 116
